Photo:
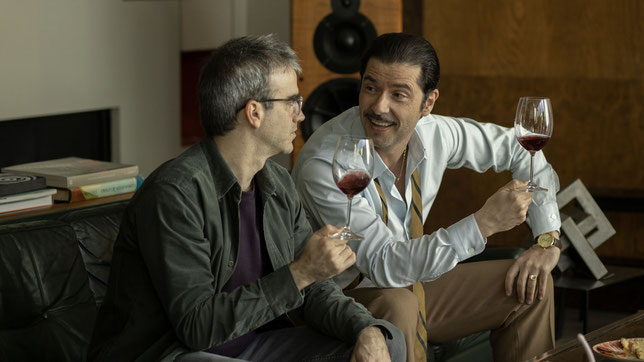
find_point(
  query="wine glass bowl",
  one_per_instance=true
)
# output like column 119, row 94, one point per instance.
column 533, row 124
column 352, row 172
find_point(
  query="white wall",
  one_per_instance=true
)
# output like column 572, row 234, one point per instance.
column 74, row 55
column 61, row 56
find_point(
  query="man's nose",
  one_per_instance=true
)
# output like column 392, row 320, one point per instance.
column 381, row 104
column 299, row 117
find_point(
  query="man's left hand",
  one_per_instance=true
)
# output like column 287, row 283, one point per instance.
column 534, row 261
column 370, row 347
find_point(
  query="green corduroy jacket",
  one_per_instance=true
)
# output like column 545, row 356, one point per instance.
column 177, row 247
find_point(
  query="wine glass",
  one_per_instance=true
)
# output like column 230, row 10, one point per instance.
column 352, row 171
column 533, row 128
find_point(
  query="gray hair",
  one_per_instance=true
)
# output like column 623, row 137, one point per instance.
column 237, row 72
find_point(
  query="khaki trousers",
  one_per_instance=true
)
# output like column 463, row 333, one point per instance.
column 470, row 298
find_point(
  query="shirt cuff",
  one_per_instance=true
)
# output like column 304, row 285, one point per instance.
column 466, row 238
column 544, row 218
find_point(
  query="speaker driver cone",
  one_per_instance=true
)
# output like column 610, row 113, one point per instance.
column 327, row 101
column 339, row 41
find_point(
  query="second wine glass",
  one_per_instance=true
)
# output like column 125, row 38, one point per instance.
column 352, row 172
column 533, row 125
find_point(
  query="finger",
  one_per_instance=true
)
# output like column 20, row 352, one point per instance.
column 350, row 260
column 510, row 277
column 517, row 185
column 345, row 253
column 521, row 287
column 327, row 230
column 339, row 243
column 531, row 287
column 542, row 287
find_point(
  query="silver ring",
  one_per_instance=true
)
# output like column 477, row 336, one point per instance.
column 533, row 276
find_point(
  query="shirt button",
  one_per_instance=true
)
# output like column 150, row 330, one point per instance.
column 470, row 250
column 553, row 216
column 231, row 263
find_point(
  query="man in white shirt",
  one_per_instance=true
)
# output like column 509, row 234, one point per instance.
column 513, row 298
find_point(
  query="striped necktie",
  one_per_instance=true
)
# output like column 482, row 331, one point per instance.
column 420, row 347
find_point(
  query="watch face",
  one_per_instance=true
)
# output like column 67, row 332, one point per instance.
column 545, row 240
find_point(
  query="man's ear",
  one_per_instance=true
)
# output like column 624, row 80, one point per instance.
column 429, row 102
column 254, row 113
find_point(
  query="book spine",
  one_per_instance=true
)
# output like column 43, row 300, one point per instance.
column 101, row 177
column 105, row 189
column 26, row 204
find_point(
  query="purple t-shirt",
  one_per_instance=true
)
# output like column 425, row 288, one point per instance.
column 253, row 262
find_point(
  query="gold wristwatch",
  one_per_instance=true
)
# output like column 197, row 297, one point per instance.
column 547, row 240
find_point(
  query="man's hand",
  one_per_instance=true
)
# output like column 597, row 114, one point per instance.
column 322, row 258
column 534, row 261
column 505, row 209
column 370, row 346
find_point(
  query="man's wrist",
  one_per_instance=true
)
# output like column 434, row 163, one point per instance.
column 373, row 331
column 483, row 228
column 302, row 280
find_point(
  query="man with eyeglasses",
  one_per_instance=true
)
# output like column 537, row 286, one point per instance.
column 215, row 248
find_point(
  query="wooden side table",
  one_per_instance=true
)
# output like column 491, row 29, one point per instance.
column 616, row 274
column 631, row 326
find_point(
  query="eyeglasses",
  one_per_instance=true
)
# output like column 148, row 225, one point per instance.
column 296, row 102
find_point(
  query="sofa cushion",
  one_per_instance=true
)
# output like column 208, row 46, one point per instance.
column 96, row 229
column 46, row 308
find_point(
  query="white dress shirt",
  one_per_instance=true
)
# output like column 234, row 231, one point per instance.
column 387, row 256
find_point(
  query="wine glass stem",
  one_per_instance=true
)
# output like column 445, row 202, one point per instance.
column 531, row 168
column 348, row 212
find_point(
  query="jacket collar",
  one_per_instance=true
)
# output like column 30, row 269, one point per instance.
column 223, row 177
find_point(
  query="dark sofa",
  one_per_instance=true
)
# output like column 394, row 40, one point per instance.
column 53, row 277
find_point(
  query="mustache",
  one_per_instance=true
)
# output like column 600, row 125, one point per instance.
column 378, row 117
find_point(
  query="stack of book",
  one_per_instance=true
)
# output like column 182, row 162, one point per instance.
column 78, row 179
column 19, row 192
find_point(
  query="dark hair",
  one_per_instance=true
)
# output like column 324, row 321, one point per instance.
column 405, row 48
column 237, row 72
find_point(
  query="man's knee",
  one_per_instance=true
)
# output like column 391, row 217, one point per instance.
column 399, row 303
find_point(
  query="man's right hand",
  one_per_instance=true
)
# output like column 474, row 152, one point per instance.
column 505, row 209
column 322, row 258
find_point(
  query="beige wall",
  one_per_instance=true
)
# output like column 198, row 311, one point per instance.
column 76, row 55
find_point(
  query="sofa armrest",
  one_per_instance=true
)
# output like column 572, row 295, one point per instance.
column 496, row 254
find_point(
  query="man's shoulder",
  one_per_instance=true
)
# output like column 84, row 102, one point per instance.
column 184, row 167
column 180, row 176
column 437, row 120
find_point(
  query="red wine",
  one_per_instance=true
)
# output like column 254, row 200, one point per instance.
column 533, row 143
column 354, row 182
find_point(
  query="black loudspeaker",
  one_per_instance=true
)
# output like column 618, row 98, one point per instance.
column 330, row 36
column 342, row 37
column 327, row 101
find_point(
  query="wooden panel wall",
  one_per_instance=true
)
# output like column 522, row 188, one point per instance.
column 588, row 57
